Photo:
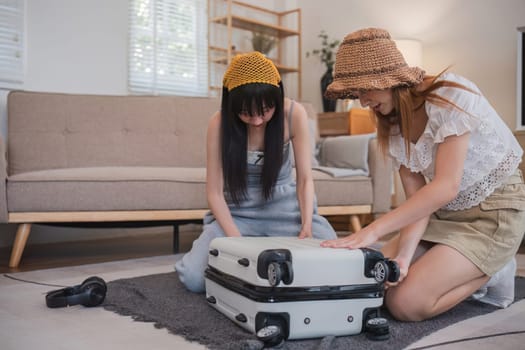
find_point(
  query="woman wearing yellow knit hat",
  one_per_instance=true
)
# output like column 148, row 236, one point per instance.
column 464, row 216
column 251, row 189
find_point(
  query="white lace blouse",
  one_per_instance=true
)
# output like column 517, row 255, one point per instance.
column 493, row 154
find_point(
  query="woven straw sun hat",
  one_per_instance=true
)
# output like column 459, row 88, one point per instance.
column 368, row 59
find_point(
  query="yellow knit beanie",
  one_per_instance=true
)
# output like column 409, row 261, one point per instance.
column 249, row 68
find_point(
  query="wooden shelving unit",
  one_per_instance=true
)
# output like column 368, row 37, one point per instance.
column 230, row 24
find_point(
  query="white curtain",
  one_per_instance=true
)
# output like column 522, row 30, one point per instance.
column 168, row 49
column 11, row 42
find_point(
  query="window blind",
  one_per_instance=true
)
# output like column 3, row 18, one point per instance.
column 168, row 47
column 11, row 42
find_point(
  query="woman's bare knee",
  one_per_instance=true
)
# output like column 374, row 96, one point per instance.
column 404, row 307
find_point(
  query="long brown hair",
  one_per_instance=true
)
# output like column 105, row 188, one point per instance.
column 407, row 100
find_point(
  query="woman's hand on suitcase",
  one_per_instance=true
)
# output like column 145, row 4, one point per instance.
column 361, row 239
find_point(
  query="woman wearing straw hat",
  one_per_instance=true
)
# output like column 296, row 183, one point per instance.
column 463, row 220
column 250, row 185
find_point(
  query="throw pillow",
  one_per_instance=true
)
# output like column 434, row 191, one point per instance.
column 348, row 151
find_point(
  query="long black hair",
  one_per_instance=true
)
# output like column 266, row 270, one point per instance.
column 252, row 98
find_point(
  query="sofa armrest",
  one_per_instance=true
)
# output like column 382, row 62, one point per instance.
column 359, row 155
column 380, row 168
column 3, row 182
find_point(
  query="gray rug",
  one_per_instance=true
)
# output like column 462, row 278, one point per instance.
column 162, row 300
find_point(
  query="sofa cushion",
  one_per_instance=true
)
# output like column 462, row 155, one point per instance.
column 354, row 190
column 347, row 152
column 146, row 188
column 108, row 188
column 52, row 130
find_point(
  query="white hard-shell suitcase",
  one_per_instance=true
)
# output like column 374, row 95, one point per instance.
column 289, row 288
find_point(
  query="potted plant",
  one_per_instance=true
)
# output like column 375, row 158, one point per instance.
column 263, row 43
column 327, row 56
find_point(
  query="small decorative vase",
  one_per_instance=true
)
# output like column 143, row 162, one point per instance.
column 326, row 79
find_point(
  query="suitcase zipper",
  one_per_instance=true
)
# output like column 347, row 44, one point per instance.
column 286, row 294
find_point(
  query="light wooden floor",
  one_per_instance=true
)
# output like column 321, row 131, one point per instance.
column 45, row 256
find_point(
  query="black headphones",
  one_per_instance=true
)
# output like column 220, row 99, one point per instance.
column 91, row 292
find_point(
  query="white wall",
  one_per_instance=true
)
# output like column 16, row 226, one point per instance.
column 81, row 46
column 77, row 46
column 72, row 46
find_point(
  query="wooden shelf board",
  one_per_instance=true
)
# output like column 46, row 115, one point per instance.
column 281, row 68
column 256, row 26
column 221, row 54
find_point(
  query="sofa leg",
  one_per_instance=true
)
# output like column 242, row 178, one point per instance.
column 355, row 223
column 176, row 246
column 22, row 234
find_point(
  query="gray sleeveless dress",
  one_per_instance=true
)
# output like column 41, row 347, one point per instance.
column 278, row 216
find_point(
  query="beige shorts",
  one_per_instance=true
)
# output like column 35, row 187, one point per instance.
column 488, row 234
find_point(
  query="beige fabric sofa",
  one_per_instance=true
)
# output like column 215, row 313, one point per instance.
column 80, row 159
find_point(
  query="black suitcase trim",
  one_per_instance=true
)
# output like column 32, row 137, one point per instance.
column 287, row 294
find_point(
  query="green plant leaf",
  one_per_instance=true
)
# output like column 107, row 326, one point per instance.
column 326, row 52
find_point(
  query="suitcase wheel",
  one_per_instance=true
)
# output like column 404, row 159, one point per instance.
column 211, row 300
column 271, row 335
column 381, row 271
column 386, row 270
column 377, row 329
column 274, row 274
column 394, row 271
column 279, row 256
column 214, row 252
column 278, row 272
